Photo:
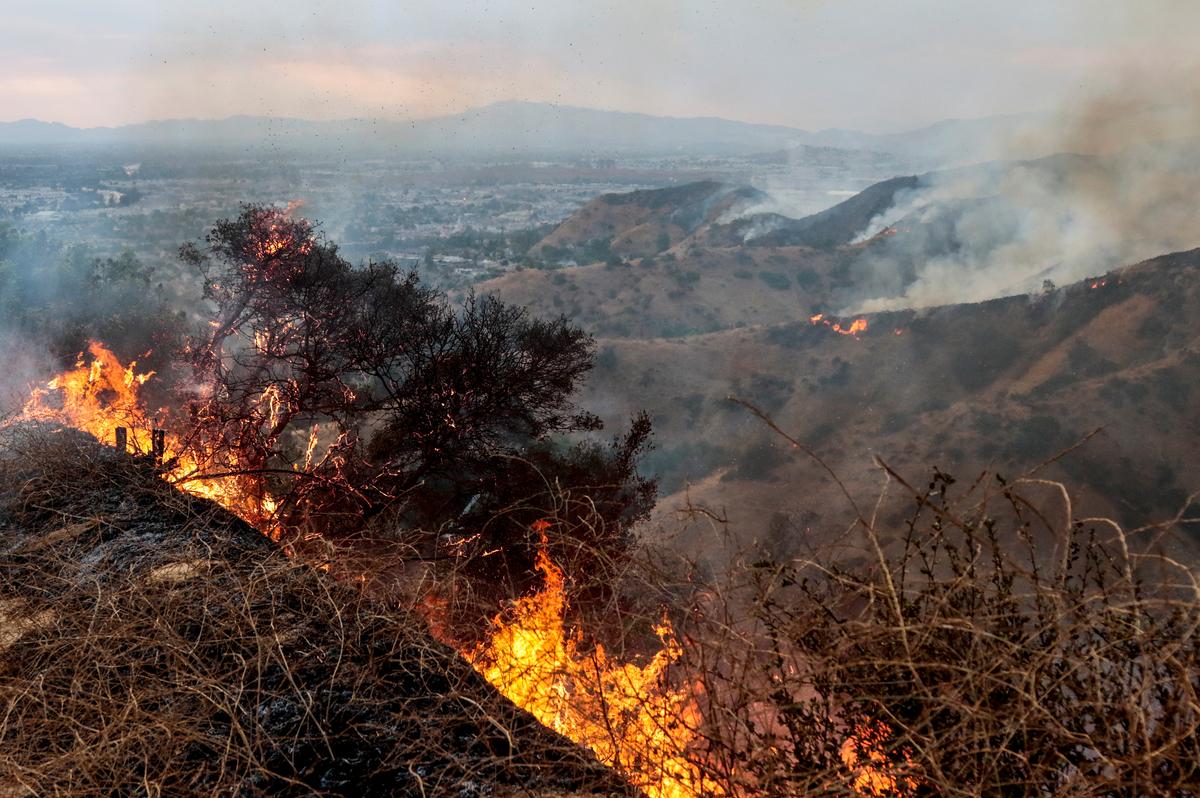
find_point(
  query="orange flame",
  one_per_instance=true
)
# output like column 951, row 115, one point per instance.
column 100, row 396
column 857, row 326
column 627, row 714
column 274, row 237
column 872, row 770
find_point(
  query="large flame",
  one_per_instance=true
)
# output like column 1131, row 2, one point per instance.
column 101, row 395
column 628, row 714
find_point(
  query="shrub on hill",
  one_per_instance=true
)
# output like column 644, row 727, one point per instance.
column 776, row 280
column 420, row 409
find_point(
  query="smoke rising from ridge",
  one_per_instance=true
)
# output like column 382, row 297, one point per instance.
column 1122, row 190
column 998, row 232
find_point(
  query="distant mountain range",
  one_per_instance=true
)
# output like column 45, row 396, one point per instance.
column 524, row 128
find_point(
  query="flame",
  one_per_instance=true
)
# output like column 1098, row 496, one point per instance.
column 857, row 326
column 100, row 396
column 273, row 237
column 873, row 771
column 627, row 714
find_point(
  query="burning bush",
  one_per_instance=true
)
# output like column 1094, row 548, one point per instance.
column 363, row 403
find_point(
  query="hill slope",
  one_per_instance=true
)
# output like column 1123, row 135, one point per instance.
column 642, row 223
column 153, row 643
column 1003, row 384
column 706, row 257
column 697, row 258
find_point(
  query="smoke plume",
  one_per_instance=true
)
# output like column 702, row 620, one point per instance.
column 1122, row 188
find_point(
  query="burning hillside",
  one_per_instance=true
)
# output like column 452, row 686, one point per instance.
column 101, row 396
column 259, row 374
column 330, row 403
column 996, row 386
column 155, row 643
column 627, row 714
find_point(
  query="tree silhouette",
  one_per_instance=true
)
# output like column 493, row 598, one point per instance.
column 347, row 392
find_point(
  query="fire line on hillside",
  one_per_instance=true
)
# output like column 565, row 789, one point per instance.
column 631, row 716
column 856, row 327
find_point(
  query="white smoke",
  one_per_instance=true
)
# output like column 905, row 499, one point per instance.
column 1133, row 197
column 1061, row 219
column 27, row 365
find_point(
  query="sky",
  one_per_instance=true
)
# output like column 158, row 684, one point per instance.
column 877, row 65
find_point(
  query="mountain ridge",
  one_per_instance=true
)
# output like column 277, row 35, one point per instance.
column 514, row 125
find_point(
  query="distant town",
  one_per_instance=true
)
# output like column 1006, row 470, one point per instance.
column 456, row 222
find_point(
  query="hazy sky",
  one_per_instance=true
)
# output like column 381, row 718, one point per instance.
column 874, row 64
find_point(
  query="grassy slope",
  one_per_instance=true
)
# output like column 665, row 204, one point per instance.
column 1003, row 384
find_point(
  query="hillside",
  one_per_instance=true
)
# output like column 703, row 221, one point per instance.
column 671, row 295
column 153, row 644
column 703, row 257
column 642, row 223
column 698, row 258
column 828, row 229
column 999, row 385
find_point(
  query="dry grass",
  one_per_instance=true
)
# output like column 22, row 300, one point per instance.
column 970, row 661
column 959, row 655
column 155, row 645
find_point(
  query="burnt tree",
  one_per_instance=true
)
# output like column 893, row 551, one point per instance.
column 352, row 394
